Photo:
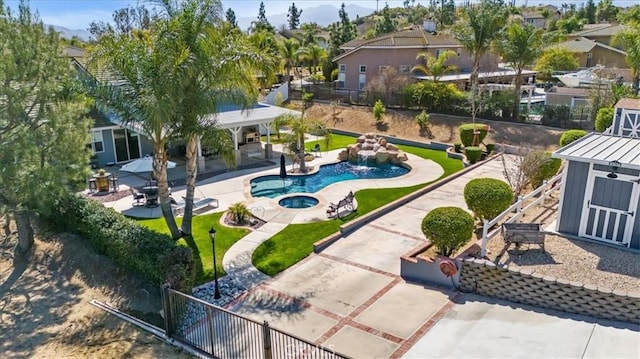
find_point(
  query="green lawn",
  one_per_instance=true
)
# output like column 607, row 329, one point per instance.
column 200, row 242
column 295, row 241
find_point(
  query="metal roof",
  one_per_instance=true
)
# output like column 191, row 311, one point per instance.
column 263, row 113
column 602, row 149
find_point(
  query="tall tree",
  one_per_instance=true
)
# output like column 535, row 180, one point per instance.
column 629, row 15
column 476, row 31
column 629, row 40
column 444, row 11
column 125, row 20
column 435, row 66
column 606, row 11
column 590, row 12
column 262, row 24
column 314, row 55
column 230, row 15
column 293, row 16
column 386, row 24
column 340, row 33
column 288, row 51
column 309, row 33
column 42, row 134
column 214, row 68
column 520, row 46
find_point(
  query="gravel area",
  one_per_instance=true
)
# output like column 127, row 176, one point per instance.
column 572, row 259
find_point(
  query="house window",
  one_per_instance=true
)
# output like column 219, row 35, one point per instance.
column 362, row 81
column 341, row 78
column 363, row 69
column 382, row 68
column 440, row 51
column 342, row 68
column 458, row 52
column 97, row 143
column 405, row 69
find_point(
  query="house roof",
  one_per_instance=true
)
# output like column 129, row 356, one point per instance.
column 602, row 149
column 629, row 103
column 481, row 75
column 412, row 37
column 260, row 114
column 609, row 30
column 584, row 45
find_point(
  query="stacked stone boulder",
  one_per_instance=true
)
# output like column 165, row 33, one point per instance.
column 371, row 147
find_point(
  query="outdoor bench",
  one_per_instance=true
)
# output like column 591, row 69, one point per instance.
column 346, row 203
column 527, row 233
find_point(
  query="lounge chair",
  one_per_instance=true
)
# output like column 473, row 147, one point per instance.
column 137, row 197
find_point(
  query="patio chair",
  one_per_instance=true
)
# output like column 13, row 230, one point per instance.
column 137, row 197
column 316, row 150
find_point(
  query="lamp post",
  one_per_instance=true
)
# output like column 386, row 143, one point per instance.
column 212, row 235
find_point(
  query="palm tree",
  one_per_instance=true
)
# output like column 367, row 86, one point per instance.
column 299, row 127
column 435, row 67
column 287, row 49
column 477, row 29
column 520, row 46
column 629, row 40
column 314, row 54
column 139, row 90
column 216, row 68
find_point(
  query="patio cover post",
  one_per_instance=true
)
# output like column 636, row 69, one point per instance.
column 201, row 165
column 235, row 131
column 268, row 147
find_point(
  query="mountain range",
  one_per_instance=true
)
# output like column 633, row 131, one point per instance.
column 322, row 15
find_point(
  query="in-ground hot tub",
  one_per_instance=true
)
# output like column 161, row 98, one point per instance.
column 298, row 202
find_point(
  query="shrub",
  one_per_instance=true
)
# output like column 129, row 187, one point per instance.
column 538, row 166
column 604, row 119
column 473, row 153
column 378, row 111
column 137, row 249
column 422, row 119
column 490, row 148
column 334, row 74
column 466, row 133
column 448, row 228
column 457, row 147
column 434, row 96
column 239, row 212
column 487, row 197
column 571, row 136
column 556, row 115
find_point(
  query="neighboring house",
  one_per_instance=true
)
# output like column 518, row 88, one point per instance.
column 364, row 60
column 600, row 195
column 567, row 96
column 114, row 143
column 602, row 33
column 536, row 18
column 590, row 53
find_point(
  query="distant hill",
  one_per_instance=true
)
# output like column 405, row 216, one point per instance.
column 68, row 33
column 323, row 15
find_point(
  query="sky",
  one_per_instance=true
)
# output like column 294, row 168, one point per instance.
column 77, row 14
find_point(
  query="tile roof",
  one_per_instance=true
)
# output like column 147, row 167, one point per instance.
column 630, row 103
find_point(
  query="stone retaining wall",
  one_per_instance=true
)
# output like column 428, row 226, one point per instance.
column 522, row 286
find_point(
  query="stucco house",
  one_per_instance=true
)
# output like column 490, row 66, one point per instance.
column 114, row 142
column 363, row 60
column 590, row 53
column 599, row 195
column 602, row 33
column 537, row 18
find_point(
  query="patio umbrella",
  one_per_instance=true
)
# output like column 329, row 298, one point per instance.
column 283, row 169
column 144, row 164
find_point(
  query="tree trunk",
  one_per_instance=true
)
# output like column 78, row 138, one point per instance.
column 474, row 97
column 303, row 165
column 25, row 232
column 7, row 224
column 160, row 172
column 191, row 174
column 516, row 105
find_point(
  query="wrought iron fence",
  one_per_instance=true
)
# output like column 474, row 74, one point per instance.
column 219, row 333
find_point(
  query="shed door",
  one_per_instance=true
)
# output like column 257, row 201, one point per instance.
column 610, row 208
column 630, row 124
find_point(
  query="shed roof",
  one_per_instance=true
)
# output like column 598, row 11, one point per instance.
column 260, row 114
column 629, row 103
column 602, row 149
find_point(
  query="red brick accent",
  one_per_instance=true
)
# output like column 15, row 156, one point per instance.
column 362, row 266
column 387, row 229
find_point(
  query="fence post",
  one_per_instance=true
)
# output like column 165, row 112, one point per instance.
column 545, row 184
column 166, row 304
column 485, row 235
column 266, row 337
column 519, row 209
column 211, row 329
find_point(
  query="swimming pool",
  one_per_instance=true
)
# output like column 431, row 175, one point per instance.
column 274, row 186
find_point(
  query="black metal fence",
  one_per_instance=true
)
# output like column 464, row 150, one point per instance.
column 218, row 333
column 560, row 116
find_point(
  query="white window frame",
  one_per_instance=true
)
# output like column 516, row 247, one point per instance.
column 381, row 68
column 93, row 140
column 405, row 69
column 362, row 84
column 342, row 68
column 362, row 69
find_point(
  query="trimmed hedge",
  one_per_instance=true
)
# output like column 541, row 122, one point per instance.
column 604, row 119
column 457, row 147
column 448, row 228
column 538, row 166
column 152, row 255
column 571, row 136
column 487, row 197
column 490, row 148
column 466, row 133
column 473, row 154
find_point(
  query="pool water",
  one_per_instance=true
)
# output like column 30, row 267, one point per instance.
column 274, row 186
column 298, row 202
